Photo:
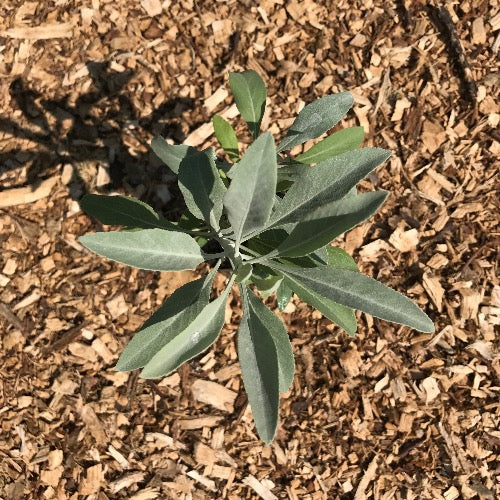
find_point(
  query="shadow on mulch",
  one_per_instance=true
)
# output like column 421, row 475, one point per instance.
column 99, row 120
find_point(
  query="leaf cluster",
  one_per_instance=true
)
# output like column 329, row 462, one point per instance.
column 272, row 218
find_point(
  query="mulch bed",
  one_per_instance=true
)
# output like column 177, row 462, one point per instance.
column 391, row 413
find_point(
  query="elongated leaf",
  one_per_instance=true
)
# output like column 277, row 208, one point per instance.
column 250, row 197
column 198, row 336
column 355, row 290
column 202, row 188
column 123, row 211
column 327, row 222
column 227, row 137
column 339, row 314
column 259, row 366
column 171, row 154
column 335, row 144
column 317, row 118
column 281, row 340
column 326, row 182
column 283, row 295
column 153, row 249
column 176, row 313
column 250, row 96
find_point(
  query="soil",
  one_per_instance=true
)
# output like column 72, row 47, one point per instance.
column 390, row 413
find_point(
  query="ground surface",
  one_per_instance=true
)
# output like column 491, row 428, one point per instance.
column 85, row 85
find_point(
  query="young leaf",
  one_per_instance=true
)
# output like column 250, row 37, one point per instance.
column 173, row 317
column 250, row 96
column 326, row 182
column 227, row 137
column 259, row 366
column 317, row 118
column 243, row 273
column 353, row 289
column 250, row 197
column 340, row 259
column 123, row 211
column 153, row 249
column 171, row 154
column 327, row 222
column 339, row 142
column 202, row 188
column 198, row 336
column 266, row 280
column 283, row 295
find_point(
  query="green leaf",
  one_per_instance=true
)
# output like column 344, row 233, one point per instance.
column 202, row 188
column 153, row 249
column 173, row 317
column 197, row 337
column 123, row 211
column 329, row 221
column 317, row 118
column 259, row 366
column 340, row 259
column 243, row 273
column 227, row 137
column 266, row 280
column 339, row 314
column 326, row 182
column 335, row 144
column 250, row 197
column 171, row 154
column 250, row 96
column 281, row 340
column 283, row 295
column 353, row 289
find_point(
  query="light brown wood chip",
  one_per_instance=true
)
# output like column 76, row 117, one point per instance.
column 43, row 32
column 27, row 194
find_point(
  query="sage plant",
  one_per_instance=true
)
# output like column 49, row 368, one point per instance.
column 271, row 218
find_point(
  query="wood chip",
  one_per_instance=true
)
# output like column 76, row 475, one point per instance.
column 152, row 7
column 214, row 394
column 30, row 194
column 262, row 491
column 43, row 32
column 404, row 241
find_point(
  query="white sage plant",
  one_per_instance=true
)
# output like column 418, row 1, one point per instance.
column 271, row 219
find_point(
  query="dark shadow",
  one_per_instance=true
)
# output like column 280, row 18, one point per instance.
column 91, row 130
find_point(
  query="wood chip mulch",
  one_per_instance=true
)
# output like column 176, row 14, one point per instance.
column 85, row 85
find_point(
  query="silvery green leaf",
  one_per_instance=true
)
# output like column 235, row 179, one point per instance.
column 281, row 340
column 353, row 289
column 317, row 118
column 153, row 249
column 202, row 188
column 173, row 317
column 250, row 96
column 326, row 182
column 259, row 366
column 171, row 154
column 123, row 211
column 227, row 137
column 339, row 142
column 197, row 337
column 250, row 196
column 327, row 222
